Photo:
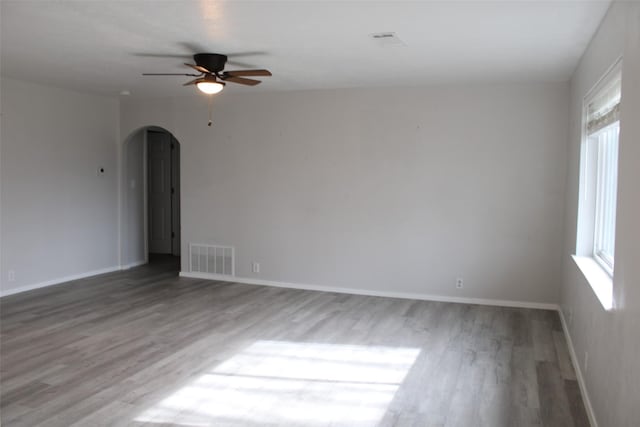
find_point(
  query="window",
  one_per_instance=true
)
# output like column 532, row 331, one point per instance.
column 606, row 141
column 599, row 171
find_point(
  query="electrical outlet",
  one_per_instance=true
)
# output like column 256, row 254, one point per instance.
column 586, row 361
column 459, row 283
column 11, row 275
column 255, row 267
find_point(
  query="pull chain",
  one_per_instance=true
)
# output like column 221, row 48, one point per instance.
column 210, row 102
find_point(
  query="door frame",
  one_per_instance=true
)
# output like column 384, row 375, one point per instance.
column 176, row 205
column 145, row 193
column 124, row 188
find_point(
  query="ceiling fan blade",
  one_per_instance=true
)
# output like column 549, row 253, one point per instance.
column 194, row 81
column 162, row 55
column 198, row 68
column 239, row 73
column 241, row 80
column 192, row 47
column 196, row 48
column 170, row 74
column 247, row 53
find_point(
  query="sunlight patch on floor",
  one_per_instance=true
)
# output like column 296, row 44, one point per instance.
column 280, row 383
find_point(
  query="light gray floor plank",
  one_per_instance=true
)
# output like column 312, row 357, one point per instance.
column 147, row 348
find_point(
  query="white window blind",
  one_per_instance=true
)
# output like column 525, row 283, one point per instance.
column 603, row 108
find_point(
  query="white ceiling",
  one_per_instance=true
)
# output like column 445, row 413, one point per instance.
column 100, row 46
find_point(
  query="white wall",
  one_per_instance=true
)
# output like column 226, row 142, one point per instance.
column 59, row 218
column 397, row 190
column 611, row 338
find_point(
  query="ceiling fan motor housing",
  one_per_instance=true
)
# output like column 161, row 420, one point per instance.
column 213, row 62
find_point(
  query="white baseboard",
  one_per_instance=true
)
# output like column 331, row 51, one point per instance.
column 576, row 366
column 370, row 292
column 133, row 264
column 58, row 281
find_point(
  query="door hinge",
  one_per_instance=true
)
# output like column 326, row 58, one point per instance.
column 173, row 190
column 173, row 234
column 172, row 146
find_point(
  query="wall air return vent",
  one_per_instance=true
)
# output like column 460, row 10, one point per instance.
column 212, row 259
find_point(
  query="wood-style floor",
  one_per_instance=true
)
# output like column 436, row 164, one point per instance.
column 146, row 348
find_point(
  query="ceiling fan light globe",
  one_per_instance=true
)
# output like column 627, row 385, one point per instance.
column 210, row 88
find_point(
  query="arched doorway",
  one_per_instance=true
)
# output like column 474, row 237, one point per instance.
column 151, row 198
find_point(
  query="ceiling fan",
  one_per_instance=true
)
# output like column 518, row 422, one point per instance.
column 211, row 77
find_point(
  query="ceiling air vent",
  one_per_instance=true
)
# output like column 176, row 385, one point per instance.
column 387, row 39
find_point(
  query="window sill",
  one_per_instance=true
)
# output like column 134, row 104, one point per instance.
column 599, row 280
